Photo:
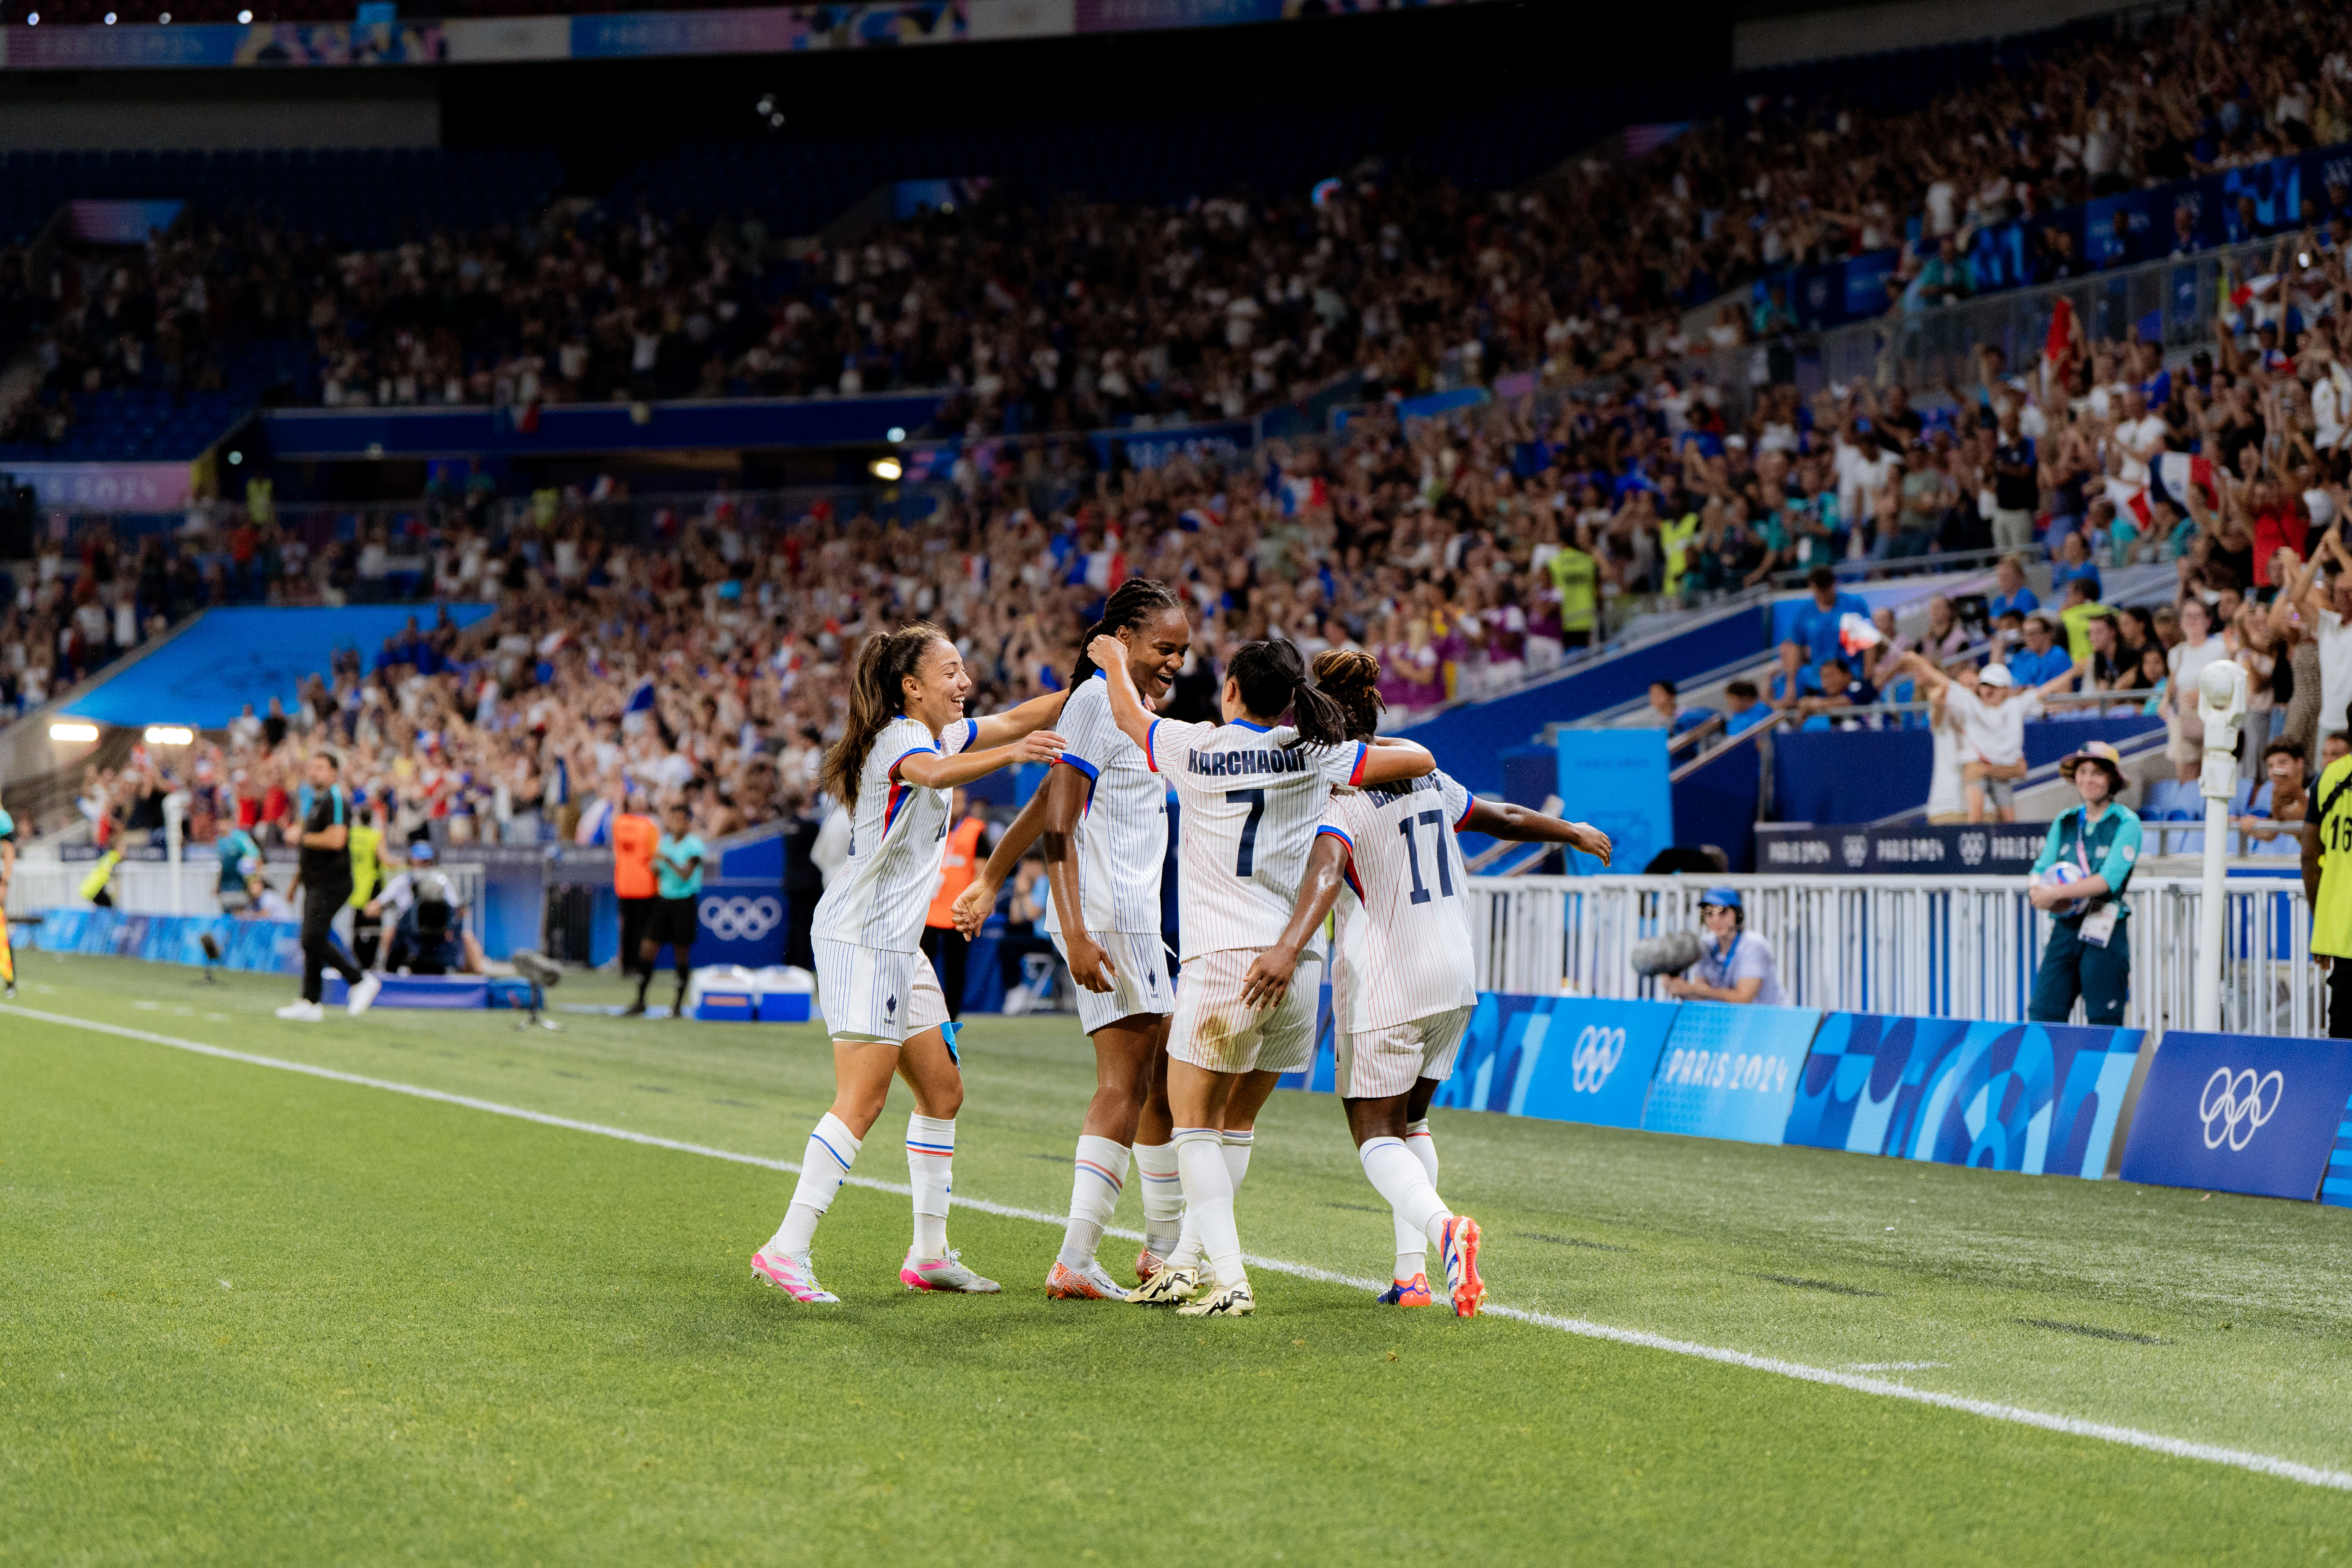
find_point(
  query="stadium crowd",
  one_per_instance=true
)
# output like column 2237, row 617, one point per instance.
column 1064, row 314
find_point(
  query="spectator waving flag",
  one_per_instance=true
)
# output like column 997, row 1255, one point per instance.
column 2175, row 472
column 1856, row 633
column 2058, row 343
column 641, row 700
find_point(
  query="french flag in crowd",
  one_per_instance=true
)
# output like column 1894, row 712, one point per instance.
column 2172, row 476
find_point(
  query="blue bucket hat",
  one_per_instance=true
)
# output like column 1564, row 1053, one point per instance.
column 1722, row 897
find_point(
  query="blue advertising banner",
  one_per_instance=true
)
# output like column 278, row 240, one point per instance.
column 2239, row 1113
column 262, row 947
column 1730, row 1071
column 1619, row 780
column 1565, row 1059
column 2034, row 1098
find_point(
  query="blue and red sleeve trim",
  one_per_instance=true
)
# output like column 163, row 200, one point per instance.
column 1149, row 760
column 911, row 751
column 1080, row 764
column 1363, row 753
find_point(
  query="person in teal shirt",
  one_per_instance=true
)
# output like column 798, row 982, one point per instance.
column 240, row 862
column 677, row 888
column 2089, row 954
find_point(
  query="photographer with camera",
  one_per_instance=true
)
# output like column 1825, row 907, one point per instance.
column 428, row 936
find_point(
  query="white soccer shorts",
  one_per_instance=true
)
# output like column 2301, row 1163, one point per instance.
column 1215, row 1029
column 1140, row 984
column 1384, row 1062
column 876, row 993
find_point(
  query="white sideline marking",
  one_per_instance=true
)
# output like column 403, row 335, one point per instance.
column 2176, row 1448
column 1891, row 1365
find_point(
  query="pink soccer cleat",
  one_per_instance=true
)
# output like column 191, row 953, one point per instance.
column 791, row 1275
column 947, row 1274
column 1147, row 1264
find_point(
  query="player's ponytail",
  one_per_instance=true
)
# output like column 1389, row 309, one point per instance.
column 1351, row 678
column 1272, row 679
column 877, row 696
column 1130, row 604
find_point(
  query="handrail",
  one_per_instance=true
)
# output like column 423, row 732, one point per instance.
column 1754, row 733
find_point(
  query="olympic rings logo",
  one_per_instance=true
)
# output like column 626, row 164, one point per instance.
column 2233, row 1106
column 1598, row 1052
column 741, row 919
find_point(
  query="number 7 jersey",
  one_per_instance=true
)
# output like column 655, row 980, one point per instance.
column 1403, row 950
column 1252, row 799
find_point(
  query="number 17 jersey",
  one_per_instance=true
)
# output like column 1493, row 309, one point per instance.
column 1252, row 799
column 1403, row 949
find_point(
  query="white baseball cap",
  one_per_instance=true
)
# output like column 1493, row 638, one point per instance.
column 1995, row 675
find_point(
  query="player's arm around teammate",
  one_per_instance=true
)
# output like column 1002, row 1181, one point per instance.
column 1259, row 795
column 905, row 744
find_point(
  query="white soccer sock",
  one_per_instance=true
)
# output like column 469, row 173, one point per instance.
column 1423, row 1145
column 931, row 1165
column 1411, row 1247
column 1237, row 1147
column 1164, row 1198
column 1209, row 1202
column 1420, row 1212
column 824, row 1165
column 1100, row 1176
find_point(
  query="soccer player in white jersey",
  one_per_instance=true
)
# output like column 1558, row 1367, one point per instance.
column 1104, row 816
column 1253, row 794
column 907, row 746
column 1403, row 985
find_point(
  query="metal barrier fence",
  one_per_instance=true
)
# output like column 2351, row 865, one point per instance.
column 1953, row 947
column 158, row 888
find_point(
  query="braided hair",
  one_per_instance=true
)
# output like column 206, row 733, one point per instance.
column 1351, row 678
column 877, row 696
column 1130, row 604
column 1272, row 678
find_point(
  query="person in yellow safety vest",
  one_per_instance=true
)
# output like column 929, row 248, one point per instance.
column 1577, row 576
column 1674, row 541
column 94, row 886
column 366, row 843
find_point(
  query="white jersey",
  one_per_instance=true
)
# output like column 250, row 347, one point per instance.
column 1253, row 798
column 1123, row 837
column 898, row 841
column 1403, row 949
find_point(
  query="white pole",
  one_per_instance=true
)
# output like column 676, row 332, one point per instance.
column 2221, row 703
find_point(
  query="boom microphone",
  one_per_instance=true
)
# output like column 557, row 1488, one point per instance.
column 1669, row 952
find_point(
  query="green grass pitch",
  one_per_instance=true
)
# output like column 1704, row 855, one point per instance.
column 252, row 1316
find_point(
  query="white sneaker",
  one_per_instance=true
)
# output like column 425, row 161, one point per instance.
column 302, row 1013
column 364, row 995
column 1016, row 1001
column 1230, row 1302
column 947, row 1274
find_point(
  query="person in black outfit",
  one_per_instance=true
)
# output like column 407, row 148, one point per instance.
column 326, row 872
column 803, row 880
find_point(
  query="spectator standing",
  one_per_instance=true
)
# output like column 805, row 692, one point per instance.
column 2089, row 951
column 2183, row 668
column 1815, row 633
column 2016, row 485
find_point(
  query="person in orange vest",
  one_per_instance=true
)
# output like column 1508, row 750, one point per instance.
column 945, row 946
column 634, row 835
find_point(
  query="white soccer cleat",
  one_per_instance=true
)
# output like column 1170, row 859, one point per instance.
column 364, row 995
column 1016, row 1001
column 947, row 1274
column 1169, row 1284
column 302, row 1013
column 1147, row 1264
column 791, row 1275
column 1090, row 1283
column 1231, row 1302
